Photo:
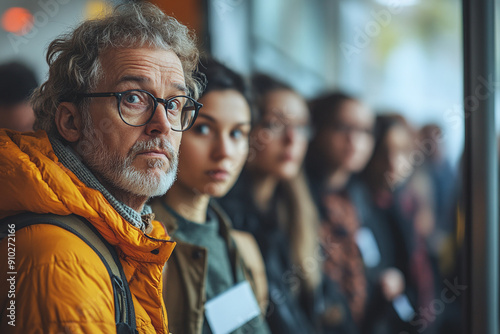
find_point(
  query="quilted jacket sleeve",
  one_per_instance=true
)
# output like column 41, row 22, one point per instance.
column 61, row 285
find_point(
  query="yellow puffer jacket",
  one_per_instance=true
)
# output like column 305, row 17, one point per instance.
column 61, row 285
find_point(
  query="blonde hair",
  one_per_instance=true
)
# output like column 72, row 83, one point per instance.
column 73, row 58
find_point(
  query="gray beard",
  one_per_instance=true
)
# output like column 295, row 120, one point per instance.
column 119, row 172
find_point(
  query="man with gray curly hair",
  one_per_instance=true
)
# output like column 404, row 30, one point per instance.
column 120, row 91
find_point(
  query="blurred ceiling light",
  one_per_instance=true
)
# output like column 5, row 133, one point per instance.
column 397, row 3
column 17, row 20
column 97, row 9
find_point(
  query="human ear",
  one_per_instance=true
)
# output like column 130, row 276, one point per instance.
column 68, row 121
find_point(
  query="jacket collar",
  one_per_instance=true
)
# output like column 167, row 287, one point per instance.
column 169, row 218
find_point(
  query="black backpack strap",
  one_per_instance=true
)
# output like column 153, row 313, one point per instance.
column 124, row 307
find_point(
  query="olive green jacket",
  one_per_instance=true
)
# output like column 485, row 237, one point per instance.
column 184, row 277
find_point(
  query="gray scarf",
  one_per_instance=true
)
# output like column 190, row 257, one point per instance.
column 70, row 160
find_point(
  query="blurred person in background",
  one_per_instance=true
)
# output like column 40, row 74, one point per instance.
column 106, row 144
column 206, row 262
column 400, row 219
column 342, row 142
column 271, row 200
column 341, row 146
column 17, row 83
column 435, row 184
column 442, row 175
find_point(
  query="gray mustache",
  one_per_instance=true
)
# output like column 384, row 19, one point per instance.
column 154, row 144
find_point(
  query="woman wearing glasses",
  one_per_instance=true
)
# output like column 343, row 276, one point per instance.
column 206, row 282
column 271, row 201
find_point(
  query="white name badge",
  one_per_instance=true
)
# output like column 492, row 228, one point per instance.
column 403, row 308
column 231, row 309
column 368, row 247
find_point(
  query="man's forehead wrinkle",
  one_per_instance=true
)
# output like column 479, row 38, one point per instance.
column 136, row 78
column 143, row 59
column 140, row 66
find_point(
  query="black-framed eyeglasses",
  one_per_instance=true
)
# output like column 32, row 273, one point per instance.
column 137, row 107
